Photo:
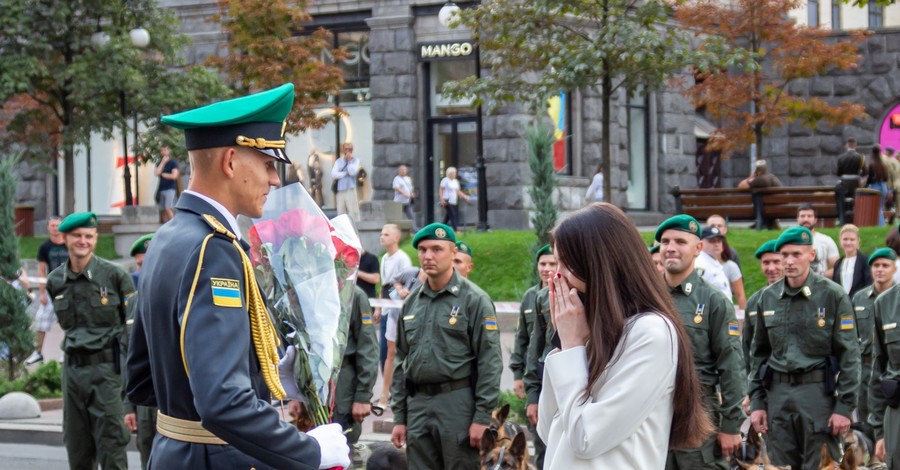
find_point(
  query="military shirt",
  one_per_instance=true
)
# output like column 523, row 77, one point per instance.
column 527, row 314
column 448, row 335
column 362, row 346
column 747, row 331
column 863, row 303
column 91, row 305
column 886, row 352
column 539, row 345
column 715, row 336
column 797, row 329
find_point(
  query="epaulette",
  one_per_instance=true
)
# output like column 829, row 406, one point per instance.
column 218, row 227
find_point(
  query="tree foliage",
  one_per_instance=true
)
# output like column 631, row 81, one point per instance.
column 539, row 139
column 57, row 87
column 779, row 52
column 15, row 324
column 267, row 47
column 538, row 48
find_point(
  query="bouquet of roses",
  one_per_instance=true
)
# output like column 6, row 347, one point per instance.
column 306, row 267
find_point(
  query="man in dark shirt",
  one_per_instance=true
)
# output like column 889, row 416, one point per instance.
column 368, row 274
column 851, row 163
column 51, row 254
column 167, row 170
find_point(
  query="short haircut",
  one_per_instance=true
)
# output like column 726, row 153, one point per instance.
column 54, row 217
column 394, row 228
column 851, row 142
column 849, row 228
column 806, row 207
column 719, row 216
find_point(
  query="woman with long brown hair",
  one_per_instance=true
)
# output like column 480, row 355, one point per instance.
column 621, row 389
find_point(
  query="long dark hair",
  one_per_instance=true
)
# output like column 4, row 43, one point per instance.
column 600, row 245
column 876, row 164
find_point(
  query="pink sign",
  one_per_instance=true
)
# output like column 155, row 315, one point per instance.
column 888, row 137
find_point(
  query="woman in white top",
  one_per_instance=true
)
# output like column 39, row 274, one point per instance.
column 595, row 190
column 621, row 389
column 851, row 271
column 450, row 194
column 714, row 246
column 404, row 193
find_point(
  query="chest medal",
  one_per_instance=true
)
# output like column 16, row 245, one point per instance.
column 821, row 315
column 453, row 314
column 104, row 296
column 698, row 318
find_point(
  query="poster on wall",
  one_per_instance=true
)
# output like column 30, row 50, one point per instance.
column 468, row 181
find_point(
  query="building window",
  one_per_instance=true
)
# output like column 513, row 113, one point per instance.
column 812, row 11
column 876, row 16
column 638, row 194
column 559, row 108
column 835, row 15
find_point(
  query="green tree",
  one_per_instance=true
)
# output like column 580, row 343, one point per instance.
column 268, row 46
column 538, row 48
column 58, row 87
column 539, row 140
column 15, row 324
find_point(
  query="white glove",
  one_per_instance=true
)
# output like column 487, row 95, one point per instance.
column 286, row 375
column 333, row 445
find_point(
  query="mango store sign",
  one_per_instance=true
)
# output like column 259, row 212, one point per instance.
column 446, row 50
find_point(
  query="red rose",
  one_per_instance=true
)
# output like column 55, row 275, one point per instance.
column 297, row 222
column 262, row 232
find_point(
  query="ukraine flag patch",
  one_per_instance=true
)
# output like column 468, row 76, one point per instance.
column 847, row 322
column 490, row 323
column 226, row 292
column 734, row 329
column 367, row 318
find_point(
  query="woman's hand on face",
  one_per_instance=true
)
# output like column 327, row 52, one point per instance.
column 568, row 314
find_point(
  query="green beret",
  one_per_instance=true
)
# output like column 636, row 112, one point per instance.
column 682, row 222
column 794, row 236
column 767, row 247
column 544, row 250
column 78, row 220
column 140, row 246
column 256, row 121
column 654, row 248
column 883, row 253
column 464, row 248
column 434, row 231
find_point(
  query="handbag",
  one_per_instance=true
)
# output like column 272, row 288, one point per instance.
column 334, row 182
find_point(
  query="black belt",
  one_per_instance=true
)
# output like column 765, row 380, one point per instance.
column 798, row 378
column 81, row 359
column 867, row 359
column 437, row 389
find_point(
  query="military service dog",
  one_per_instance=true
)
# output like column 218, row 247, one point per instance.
column 755, row 455
column 504, row 454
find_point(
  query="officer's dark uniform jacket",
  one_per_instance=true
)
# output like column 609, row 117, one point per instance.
column 789, row 339
column 527, row 314
column 749, row 323
column 885, row 365
column 179, row 326
column 539, row 345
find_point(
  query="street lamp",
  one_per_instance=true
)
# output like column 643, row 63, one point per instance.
column 446, row 14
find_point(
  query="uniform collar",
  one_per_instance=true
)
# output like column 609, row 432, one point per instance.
column 689, row 285
column 454, row 287
column 88, row 270
column 194, row 202
column 806, row 289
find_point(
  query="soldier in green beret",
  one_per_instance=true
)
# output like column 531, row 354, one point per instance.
column 884, row 385
column 359, row 368
column 462, row 260
column 715, row 336
column 805, row 359
column 656, row 256
column 140, row 419
column 534, row 314
column 882, row 265
column 771, row 267
column 448, row 349
column 90, row 296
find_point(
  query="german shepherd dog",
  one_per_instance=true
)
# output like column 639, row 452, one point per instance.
column 495, row 455
column 503, row 429
column 386, row 457
column 847, row 462
column 755, row 455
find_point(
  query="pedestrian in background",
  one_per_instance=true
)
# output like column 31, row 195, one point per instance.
column 167, row 191
column 595, row 190
column 851, row 271
column 878, row 178
column 393, row 262
column 450, row 195
column 51, row 255
column 621, row 388
column 404, row 192
column 345, row 171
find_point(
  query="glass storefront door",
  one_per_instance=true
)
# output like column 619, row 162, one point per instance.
column 452, row 141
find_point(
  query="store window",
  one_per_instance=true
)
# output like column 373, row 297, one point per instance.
column 638, row 193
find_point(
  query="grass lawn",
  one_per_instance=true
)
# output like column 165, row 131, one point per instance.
column 28, row 247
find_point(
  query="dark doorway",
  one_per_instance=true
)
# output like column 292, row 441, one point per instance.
column 709, row 166
column 452, row 141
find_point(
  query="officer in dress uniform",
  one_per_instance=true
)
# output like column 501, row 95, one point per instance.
column 447, row 374
column 204, row 350
column 881, row 263
column 140, row 418
column 884, row 388
column 805, row 335
column 715, row 337
column 546, row 264
column 359, row 368
column 89, row 296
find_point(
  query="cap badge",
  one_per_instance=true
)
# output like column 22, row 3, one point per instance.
column 805, row 237
column 693, row 226
column 440, row 233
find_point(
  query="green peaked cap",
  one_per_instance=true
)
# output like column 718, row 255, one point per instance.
column 767, row 247
column 682, row 222
column 434, row 231
column 464, row 248
column 255, row 121
column 794, row 236
column 883, row 253
column 141, row 244
column 78, row 220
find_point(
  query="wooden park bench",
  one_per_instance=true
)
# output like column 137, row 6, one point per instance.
column 760, row 205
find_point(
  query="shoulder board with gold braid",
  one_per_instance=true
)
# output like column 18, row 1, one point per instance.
column 218, row 227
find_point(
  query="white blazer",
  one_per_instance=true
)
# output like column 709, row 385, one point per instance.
column 627, row 419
